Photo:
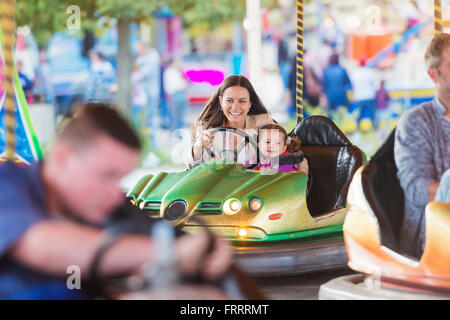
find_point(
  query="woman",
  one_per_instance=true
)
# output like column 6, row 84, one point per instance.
column 234, row 105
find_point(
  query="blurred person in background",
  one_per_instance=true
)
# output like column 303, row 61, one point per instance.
column 148, row 62
column 25, row 82
column 138, row 97
column 53, row 214
column 42, row 84
column 311, row 84
column 101, row 84
column 175, row 85
column 320, row 58
column 163, row 103
column 382, row 99
column 283, row 58
column 335, row 84
column 364, row 90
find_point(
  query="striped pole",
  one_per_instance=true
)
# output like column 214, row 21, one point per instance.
column 299, row 64
column 8, row 28
column 437, row 17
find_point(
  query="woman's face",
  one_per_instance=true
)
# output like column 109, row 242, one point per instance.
column 235, row 103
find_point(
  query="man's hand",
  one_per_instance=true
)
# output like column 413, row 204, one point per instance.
column 432, row 190
column 193, row 256
column 218, row 261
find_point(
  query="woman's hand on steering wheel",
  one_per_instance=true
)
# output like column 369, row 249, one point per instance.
column 216, row 153
column 206, row 138
column 247, row 140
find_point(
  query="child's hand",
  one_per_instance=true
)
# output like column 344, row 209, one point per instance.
column 303, row 167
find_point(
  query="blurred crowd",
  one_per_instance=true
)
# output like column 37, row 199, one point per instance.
column 330, row 87
column 158, row 86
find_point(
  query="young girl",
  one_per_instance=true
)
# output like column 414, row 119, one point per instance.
column 279, row 151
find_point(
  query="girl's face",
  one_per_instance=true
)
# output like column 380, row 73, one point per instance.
column 272, row 142
column 235, row 103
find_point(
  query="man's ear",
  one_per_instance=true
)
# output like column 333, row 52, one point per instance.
column 433, row 73
column 61, row 152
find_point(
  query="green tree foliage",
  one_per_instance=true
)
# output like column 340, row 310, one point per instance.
column 46, row 17
column 213, row 12
column 135, row 10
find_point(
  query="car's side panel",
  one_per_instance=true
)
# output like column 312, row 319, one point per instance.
column 436, row 255
column 367, row 255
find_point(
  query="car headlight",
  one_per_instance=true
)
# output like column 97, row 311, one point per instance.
column 242, row 233
column 231, row 206
column 142, row 205
column 176, row 210
column 255, row 204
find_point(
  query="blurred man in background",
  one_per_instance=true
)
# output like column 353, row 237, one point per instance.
column 364, row 83
column 148, row 62
column 335, row 84
column 101, row 83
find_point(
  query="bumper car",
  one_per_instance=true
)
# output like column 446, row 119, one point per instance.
column 283, row 222
column 372, row 232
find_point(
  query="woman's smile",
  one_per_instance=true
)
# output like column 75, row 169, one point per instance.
column 236, row 115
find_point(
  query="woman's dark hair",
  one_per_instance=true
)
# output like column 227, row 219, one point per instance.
column 212, row 116
column 294, row 142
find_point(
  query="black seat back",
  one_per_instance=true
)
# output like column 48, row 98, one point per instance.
column 332, row 161
column 383, row 192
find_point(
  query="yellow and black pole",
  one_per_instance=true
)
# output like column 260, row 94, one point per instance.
column 299, row 64
column 8, row 28
column 437, row 17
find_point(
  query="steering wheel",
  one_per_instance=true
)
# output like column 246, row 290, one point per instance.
column 214, row 152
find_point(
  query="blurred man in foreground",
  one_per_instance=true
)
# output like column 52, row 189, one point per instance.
column 51, row 213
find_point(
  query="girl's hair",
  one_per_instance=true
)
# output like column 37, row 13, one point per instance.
column 213, row 117
column 293, row 143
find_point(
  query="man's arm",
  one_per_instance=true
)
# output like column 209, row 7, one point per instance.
column 51, row 247
column 414, row 159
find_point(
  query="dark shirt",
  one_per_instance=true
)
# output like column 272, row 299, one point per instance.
column 25, row 82
column 335, row 84
column 22, row 205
